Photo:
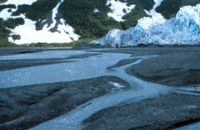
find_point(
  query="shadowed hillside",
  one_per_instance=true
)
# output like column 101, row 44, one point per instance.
column 169, row 8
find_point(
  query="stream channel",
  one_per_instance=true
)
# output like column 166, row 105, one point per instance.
column 82, row 68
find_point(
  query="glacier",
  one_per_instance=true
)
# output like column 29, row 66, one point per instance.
column 184, row 29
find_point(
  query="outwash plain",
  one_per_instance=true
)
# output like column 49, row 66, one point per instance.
column 136, row 88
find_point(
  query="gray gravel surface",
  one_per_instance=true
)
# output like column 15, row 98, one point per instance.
column 175, row 69
column 163, row 112
column 25, row 107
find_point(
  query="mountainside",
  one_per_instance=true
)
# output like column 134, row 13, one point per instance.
column 61, row 21
column 64, row 21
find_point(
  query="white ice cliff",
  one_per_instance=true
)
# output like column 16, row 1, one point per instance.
column 181, row 30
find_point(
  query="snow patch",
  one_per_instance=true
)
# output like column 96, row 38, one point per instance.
column 117, row 8
column 4, row 14
column 116, row 85
column 156, row 17
column 19, row 2
column 96, row 11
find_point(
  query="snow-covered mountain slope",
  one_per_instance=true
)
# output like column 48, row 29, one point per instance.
column 54, row 30
column 180, row 30
column 49, row 23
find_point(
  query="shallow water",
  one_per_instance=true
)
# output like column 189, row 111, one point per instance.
column 84, row 68
column 139, row 90
column 43, row 55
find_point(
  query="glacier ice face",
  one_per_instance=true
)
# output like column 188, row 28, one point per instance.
column 112, row 38
column 181, row 30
